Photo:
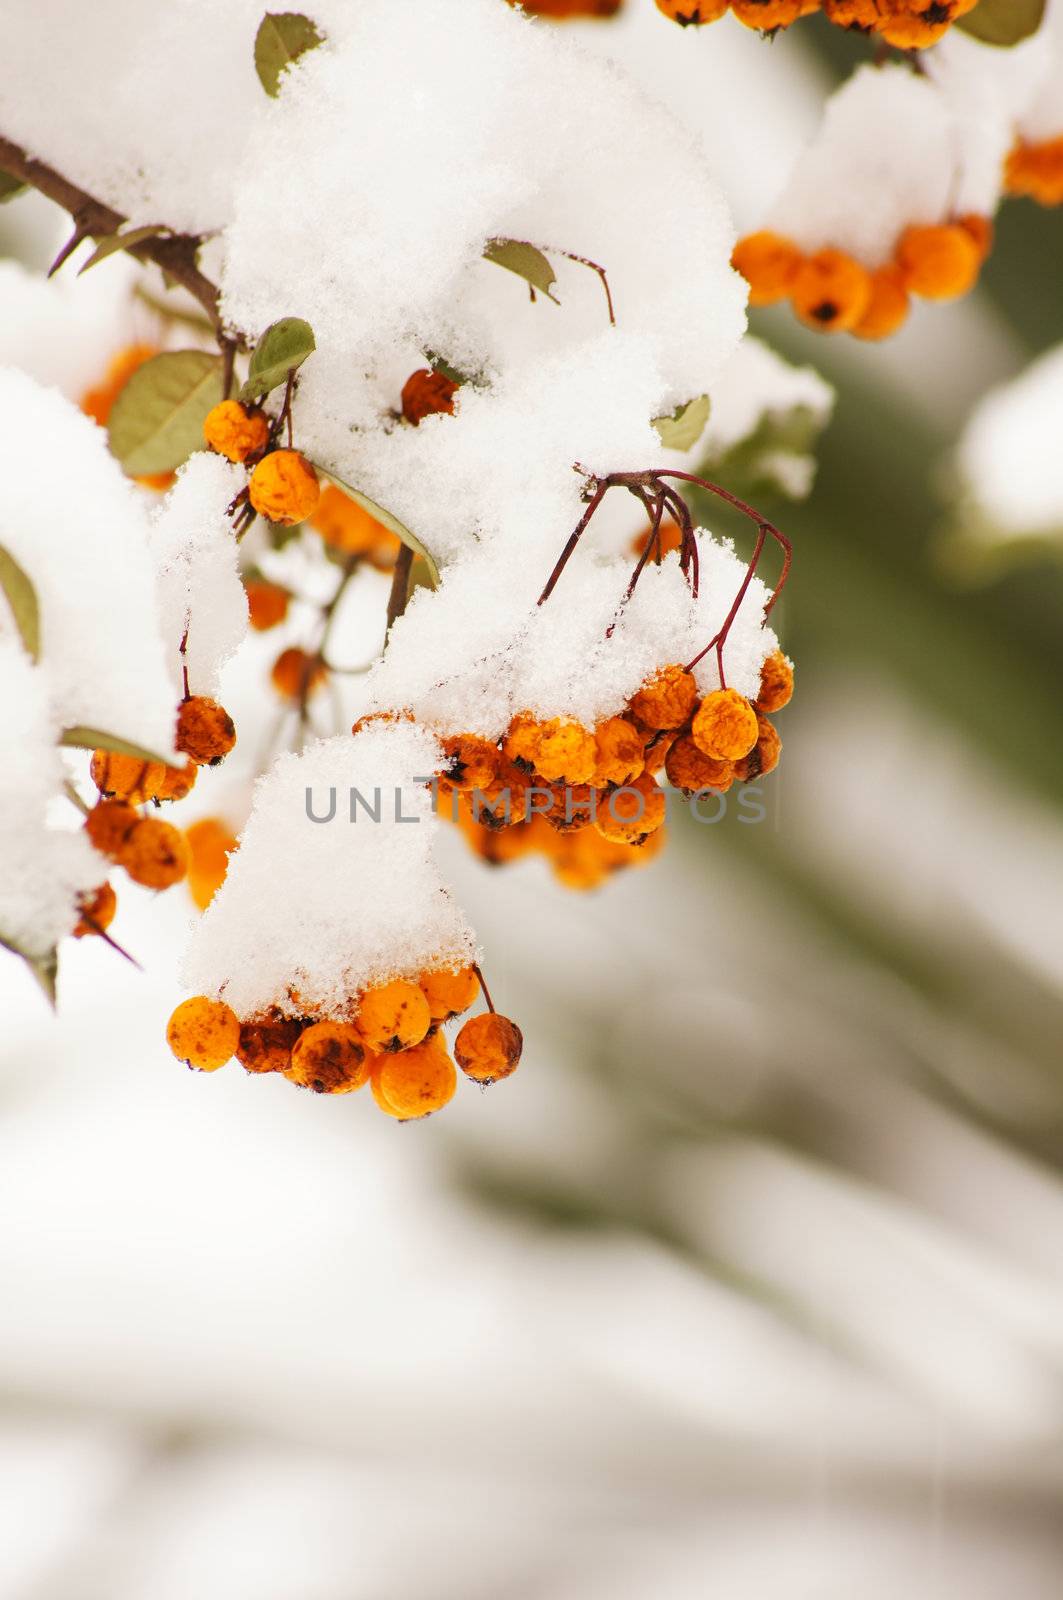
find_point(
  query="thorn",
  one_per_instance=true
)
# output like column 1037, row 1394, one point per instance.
column 78, row 236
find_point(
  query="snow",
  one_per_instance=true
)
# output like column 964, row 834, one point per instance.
column 44, row 867
column 63, row 331
column 1008, row 456
column 891, row 152
column 199, row 589
column 334, row 906
column 79, row 529
column 757, row 387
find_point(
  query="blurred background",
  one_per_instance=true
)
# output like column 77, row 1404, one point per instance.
column 750, row 1283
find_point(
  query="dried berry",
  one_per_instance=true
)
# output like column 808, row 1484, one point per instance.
column 203, row 1033
column 95, row 911
column 266, row 1042
column 296, row 674
column 236, row 431
column 205, row 730
column 725, row 726
column 284, row 487
column 488, row 1047
column 416, row 1083
column 667, row 700
column 449, row 993
column 267, row 604
column 776, row 683
column 329, row 1058
column 769, row 263
column 426, row 392
column 393, row 1016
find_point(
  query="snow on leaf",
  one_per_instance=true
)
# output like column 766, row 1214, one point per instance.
column 157, row 419
column 22, row 598
column 392, row 523
column 282, row 37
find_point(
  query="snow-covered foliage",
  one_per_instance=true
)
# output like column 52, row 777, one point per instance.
column 1009, row 463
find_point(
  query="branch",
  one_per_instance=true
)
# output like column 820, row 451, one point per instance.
column 175, row 255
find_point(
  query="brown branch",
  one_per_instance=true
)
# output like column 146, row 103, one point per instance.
column 174, row 254
column 400, row 586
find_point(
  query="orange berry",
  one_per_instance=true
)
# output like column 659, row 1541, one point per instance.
column 631, row 814
column 669, row 538
column 210, row 844
column 620, row 752
column 203, row 1033
column 776, row 683
column 109, row 825
column 862, row 14
column 177, row 782
column 205, row 730
column 449, row 993
column 692, row 13
column 981, row 231
column 472, row 762
column 1036, row 170
column 296, row 674
column 284, row 487
column 831, row 291
column 123, row 777
column 416, row 1083
column 725, row 726
column 666, row 700
column 236, row 431
column 569, row 8
column 267, row 604
column 154, row 854
column 97, row 403
column 915, row 24
column 96, row 911
column 393, row 1016
column 572, row 807
column 345, row 525
column 521, row 743
column 888, row 306
column 767, row 15
column 657, row 751
column 426, row 392
column 769, row 263
column 691, row 770
column 938, row 262
column 266, row 1042
column 565, row 752
column 329, row 1058
column 488, row 1047
column 764, row 756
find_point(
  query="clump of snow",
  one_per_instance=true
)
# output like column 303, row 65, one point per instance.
column 44, row 867
column 892, row 151
column 79, row 529
column 1009, row 458
column 463, row 664
column 760, row 392
column 324, row 909
column 201, row 599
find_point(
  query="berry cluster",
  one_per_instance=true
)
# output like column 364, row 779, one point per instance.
column 906, row 24
column 391, row 1038
column 834, row 293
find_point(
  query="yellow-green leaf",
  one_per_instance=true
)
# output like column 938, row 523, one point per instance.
column 21, row 596
column 516, row 255
column 157, row 420
column 114, row 242
column 1003, row 22
column 282, row 37
column 82, row 738
column 685, row 426
column 284, row 346
column 44, row 968
column 392, row 523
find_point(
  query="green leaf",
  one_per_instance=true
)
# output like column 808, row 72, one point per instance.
column 10, row 186
column 284, row 346
column 392, row 523
column 157, row 419
column 526, row 261
column 1003, row 22
column 685, row 426
column 121, row 241
column 282, row 37
column 439, row 363
column 422, row 576
column 82, row 738
column 22, row 598
column 44, row 968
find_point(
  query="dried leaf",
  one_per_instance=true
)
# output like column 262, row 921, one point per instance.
column 526, row 261
column 22, row 598
column 284, row 346
column 157, row 420
column 685, row 426
column 282, row 37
